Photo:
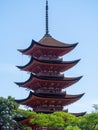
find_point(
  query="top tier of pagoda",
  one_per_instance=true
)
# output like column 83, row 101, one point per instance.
column 48, row 48
column 47, row 78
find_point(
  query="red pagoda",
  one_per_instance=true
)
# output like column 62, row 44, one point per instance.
column 47, row 79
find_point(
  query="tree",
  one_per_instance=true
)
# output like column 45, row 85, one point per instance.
column 7, row 112
column 88, row 122
column 69, row 119
column 72, row 128
column 54, row 120
column 64, row 120
column 95, row 106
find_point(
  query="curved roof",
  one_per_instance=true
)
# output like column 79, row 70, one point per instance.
column 79, row 114
column 36, row 65
column 35, row 82
column 51, row 42
column 25, row 120
column 33, row 100
column 47, row 42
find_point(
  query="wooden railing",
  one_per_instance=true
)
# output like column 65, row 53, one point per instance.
column 51, row 59
column 49, row 109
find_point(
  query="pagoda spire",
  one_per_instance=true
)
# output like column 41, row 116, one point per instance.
column 47, row 29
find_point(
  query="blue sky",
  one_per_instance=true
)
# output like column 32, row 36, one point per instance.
column 69, row 21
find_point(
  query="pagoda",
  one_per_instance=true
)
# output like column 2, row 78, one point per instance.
column 47, row 81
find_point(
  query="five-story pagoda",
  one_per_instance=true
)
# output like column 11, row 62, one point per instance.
column 47, row 78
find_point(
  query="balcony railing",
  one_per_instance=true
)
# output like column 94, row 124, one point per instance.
column 51, row 76
column 48, row 109
column 51, row 59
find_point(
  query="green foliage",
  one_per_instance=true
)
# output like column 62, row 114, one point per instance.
column 26, row 128
column 72, row 128
column 7, row 112
column 10, row 110
column 88, row 122
column 41, row 119
column 67, row 121
column 55, row 120
column 25, row 113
